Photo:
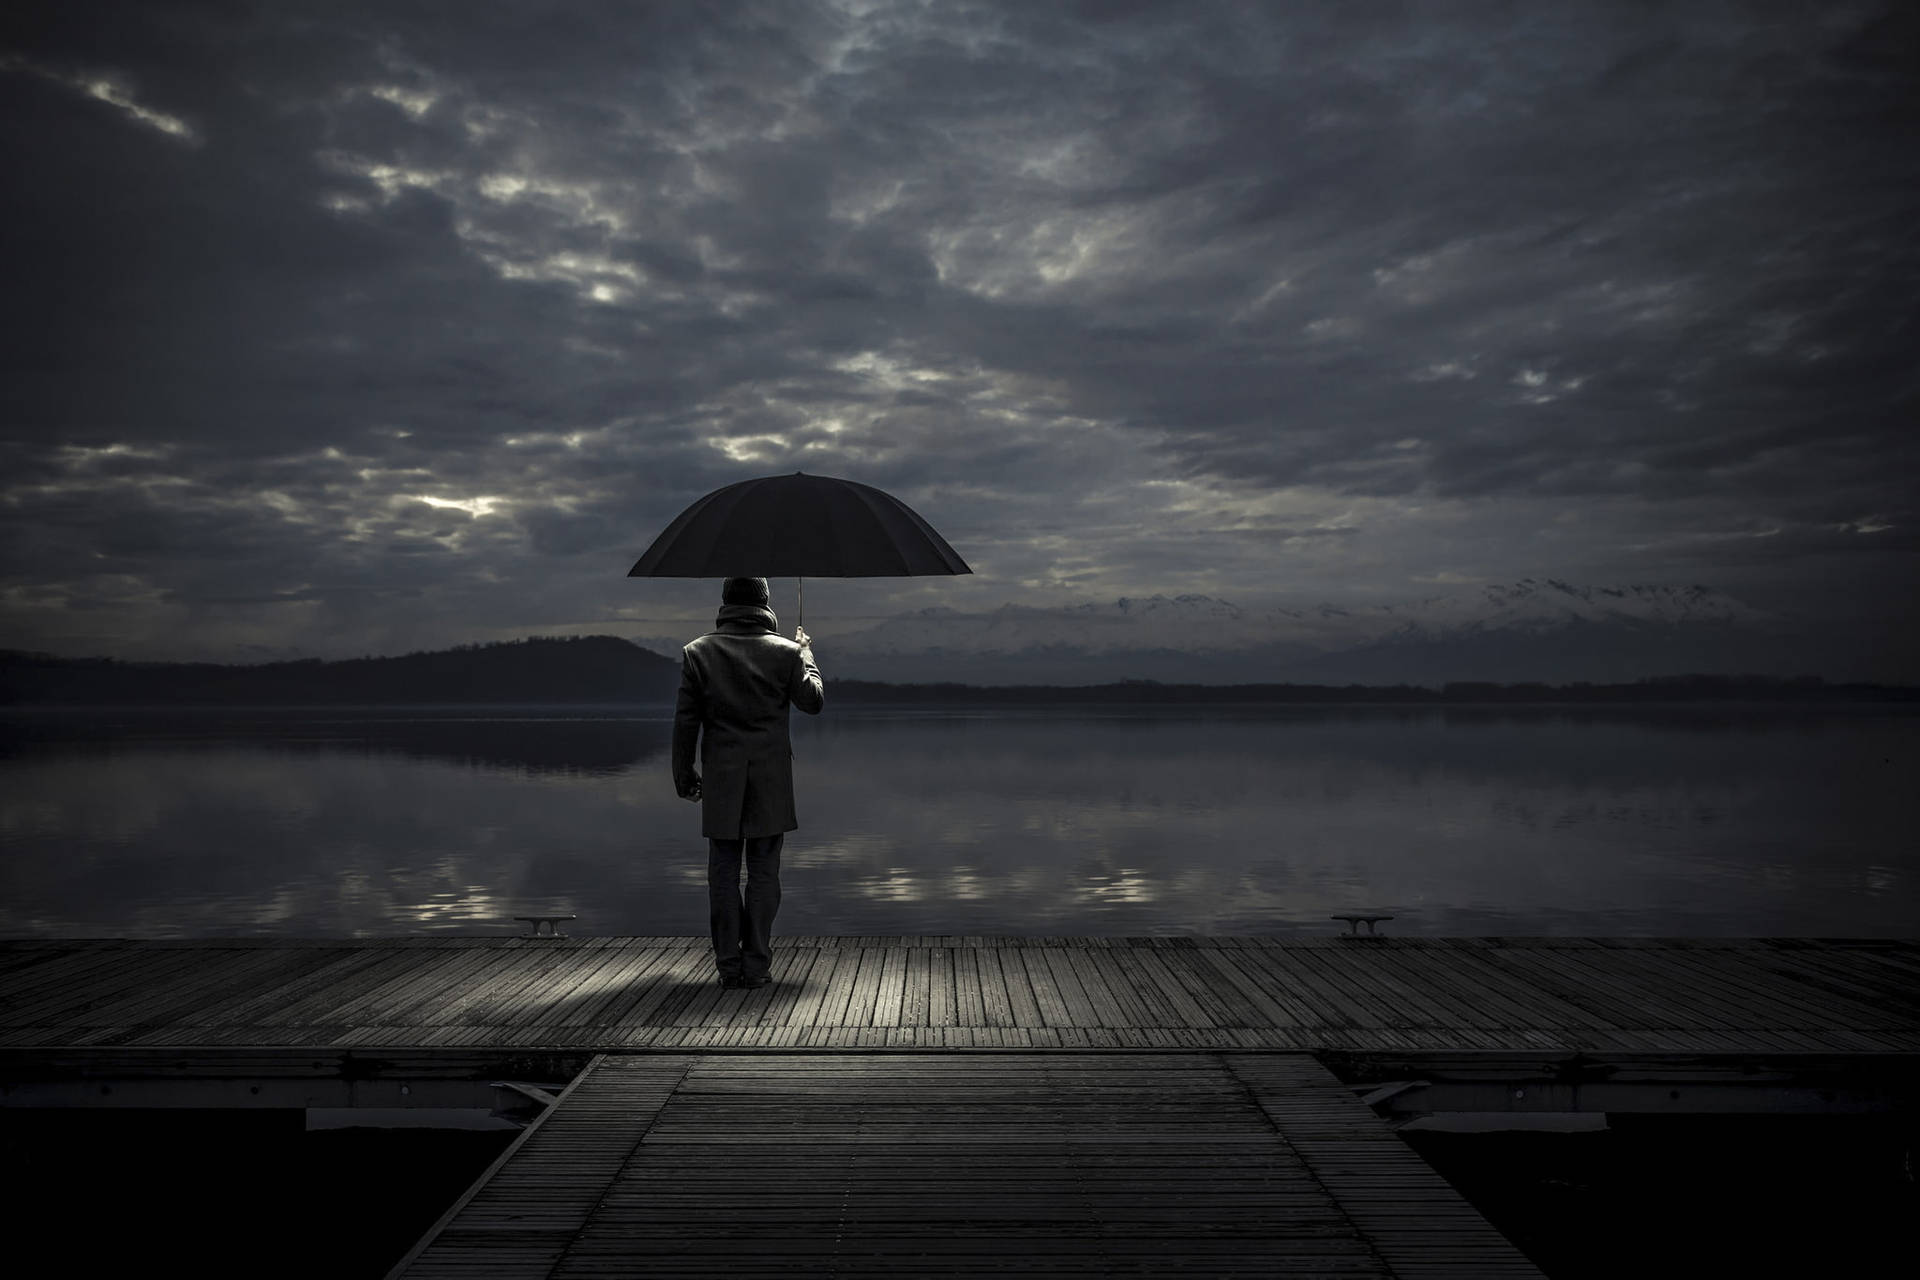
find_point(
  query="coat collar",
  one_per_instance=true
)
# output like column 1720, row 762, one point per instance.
column 746, row 617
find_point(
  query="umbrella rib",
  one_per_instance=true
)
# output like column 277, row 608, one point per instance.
column 866, row 511
column 723, row 533
column 935, row 545
column 666, row 545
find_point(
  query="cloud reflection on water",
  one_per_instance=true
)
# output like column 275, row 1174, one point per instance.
column 1168, row 821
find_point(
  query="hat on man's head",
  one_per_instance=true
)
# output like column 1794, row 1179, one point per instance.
column 744, row 591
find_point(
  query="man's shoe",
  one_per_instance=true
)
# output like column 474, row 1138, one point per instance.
column 760, row 981
column 725, row 981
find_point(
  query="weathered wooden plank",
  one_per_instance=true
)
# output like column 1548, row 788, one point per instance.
column 1504, row 1000
column 47, row 993
column 1113, row 1007
column 1587, row 969
column 969, row 1000
column 793, row 971
column 1623, row 971
column 220, row 973
column 1536, row 1005
column 1430, row 995
column 449, row 988
column 1344, row 978
column 619, row 989
column 1296, row 995
column 1009, row 996
column 1081, row 1009
column 518, row 1000
column 1193, row 975
column 698, row 1002
column 1159, row 1009
column 444, row 993
column 98, row 979
column 318, row 970
column 864, row 989
column 1131, row 1007
column 339, row 1002
column 1873, row 977
column 832, row 1011
column 1149, row 967
column 1776, row 999
column 233, row 999
column 889, row 994
column 823, row 980
column 1811, row 987
column 1265, row 1010
column 665, row 988
column 942, row 988
column 17, row 965
column 915, row 991
column 1046, row 993
column 629, row 967
column 31, row 993
column 1544, row 969
column 547, row 1002
column 1698, row 999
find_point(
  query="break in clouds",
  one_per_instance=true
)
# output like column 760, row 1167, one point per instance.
column 339, row 328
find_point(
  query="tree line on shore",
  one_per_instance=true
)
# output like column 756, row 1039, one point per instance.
column 607, row 669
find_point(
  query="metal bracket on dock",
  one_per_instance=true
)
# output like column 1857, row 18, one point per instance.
column 1355, row 921
column 512, row 1099
column 551, row 922
column 1387, row 1093
column 1392, row 1090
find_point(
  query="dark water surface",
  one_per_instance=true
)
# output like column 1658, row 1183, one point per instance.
column 1118, row 820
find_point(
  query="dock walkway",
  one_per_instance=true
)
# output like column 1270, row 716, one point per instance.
column 1285, row 994
column 966, row 1105
column 920, row 1164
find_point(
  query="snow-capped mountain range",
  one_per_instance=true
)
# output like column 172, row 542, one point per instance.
column 1200, row 624
column 1534, row 629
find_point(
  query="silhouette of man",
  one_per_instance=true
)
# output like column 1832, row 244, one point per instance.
column 736, row 683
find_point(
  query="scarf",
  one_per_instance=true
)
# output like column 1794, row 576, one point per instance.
column 756, row 617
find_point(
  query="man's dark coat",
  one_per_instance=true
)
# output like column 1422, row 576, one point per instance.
column 736, row 683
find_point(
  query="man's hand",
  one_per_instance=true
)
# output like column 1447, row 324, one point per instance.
column 688, row 787
column 801, row 637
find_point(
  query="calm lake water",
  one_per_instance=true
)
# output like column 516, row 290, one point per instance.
column 1117, row 820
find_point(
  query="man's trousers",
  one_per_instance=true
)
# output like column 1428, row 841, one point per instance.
column 742, row 923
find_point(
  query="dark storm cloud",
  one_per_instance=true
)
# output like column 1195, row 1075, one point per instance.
column 353, row 326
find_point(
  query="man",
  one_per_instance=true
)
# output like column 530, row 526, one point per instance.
column 736, row 683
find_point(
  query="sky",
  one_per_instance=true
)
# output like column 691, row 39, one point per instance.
column 336, row 328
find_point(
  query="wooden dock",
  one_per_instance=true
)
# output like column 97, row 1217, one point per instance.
column 1284, row 994
column 964, row 1105
column 919, row 1164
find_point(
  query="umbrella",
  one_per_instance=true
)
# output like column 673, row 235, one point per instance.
column 798, row 526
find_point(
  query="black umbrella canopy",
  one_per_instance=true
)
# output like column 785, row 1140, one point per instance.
column 798, row 526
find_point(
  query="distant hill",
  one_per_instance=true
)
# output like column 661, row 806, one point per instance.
column 537, row 669
column 607, row 669
column 1661, row 689
column 1530, row 630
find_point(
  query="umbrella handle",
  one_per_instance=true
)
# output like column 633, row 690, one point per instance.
column 801, row 583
